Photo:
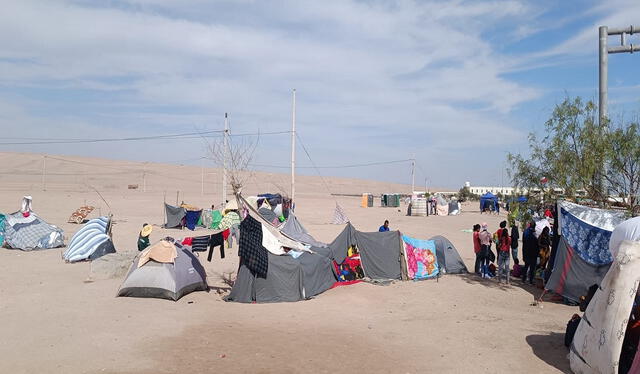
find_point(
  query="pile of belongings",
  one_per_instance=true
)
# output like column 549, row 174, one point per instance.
column 80, row 214
column 182, row 216
column 454, row 207
column 92, row 241
column 442, row 206
column 274, row 208
column 165, row 270
column 26, row 231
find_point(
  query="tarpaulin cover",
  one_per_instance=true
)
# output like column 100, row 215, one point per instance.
column 269, row 216
column 627, row 230
column 572, row 276
column 421, row 258
column 90, row 242
column 2, row 223
column 294, row 229
column 598, row 340
column 28, row 233
column 175, row 214
column 589, row 242
column 288, row 279
column 449, row 260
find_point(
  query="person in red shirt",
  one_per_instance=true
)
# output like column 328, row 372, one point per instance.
column 476, row 246
column 503, row 247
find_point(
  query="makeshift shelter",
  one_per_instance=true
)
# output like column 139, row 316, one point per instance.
column 582, row 257
column 380, row 252
column 294, row 229
column 80, row 214
column 3, row 221
column 598, row 340
column 489, row 201
column 29, row 232
column 442, row 206
column 92, row 241
column 339, row 216
column 419, row 206
column 454, row 208
column 449, row 259
column 269, row 216
column 155, row 272
column 174, row 216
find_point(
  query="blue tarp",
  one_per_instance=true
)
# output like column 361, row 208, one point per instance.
column 2, row 223
column 487, row 201
column 191, row 218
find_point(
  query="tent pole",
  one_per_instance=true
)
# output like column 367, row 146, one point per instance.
column 293, row 150
column 202, row 179
column 44, row 173
column 225, row 146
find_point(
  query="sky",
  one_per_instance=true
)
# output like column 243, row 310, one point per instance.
column 454, row 84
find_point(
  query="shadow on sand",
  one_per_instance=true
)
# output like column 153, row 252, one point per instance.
column 515, row 283
column 550, row 349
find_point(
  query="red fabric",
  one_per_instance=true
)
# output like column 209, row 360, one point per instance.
column 345, row 283
column 565, row 269
column 187, row 241
column 26, row 214
column 225, row 234
column 547, row 213
column 476, row 241
column 352, row 261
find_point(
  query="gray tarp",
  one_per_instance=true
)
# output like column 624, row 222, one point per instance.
column 294, row 229
column 175, row 214
column 572, row 276
column 379, row 251
column 268, row 215
column 448, row 257
column 30, row 233
column 288, row 279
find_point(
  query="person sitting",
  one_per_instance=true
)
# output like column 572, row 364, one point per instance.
column 143, row 238
column 385, row 226
column 516, row 272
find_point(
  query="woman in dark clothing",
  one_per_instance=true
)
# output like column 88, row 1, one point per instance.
column 530, row 252
column 515, row 236
column 544, row 243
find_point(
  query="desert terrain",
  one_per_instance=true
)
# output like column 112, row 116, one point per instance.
column 63, row 318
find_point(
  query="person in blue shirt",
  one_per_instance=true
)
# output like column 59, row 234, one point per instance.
column 384, row 227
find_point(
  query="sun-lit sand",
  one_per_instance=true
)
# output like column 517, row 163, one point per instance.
column 54, row 319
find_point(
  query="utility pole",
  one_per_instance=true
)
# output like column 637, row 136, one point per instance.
column 225, row 146
column 604, row 51
column 293, row 150
column 144, row 177
column 413, row 175
column 44, row 173
column 202, row 181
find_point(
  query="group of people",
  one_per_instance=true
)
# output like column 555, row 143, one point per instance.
column 535, row 251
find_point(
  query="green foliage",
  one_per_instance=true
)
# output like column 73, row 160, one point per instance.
column 623, row 174
column 465, row 194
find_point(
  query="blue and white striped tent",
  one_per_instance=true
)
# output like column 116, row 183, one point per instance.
column 90, row 242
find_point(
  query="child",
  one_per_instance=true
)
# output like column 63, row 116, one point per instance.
column 517, row 269
column 143, row 238
column 476, row 247
column 503, row 248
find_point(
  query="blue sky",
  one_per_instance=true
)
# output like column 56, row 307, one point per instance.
column 455, row 84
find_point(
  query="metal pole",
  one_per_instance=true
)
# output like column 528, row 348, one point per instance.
column 202, row 181
column 603, row 59
column 293, row 150
column 413, row 175
column 225, row 145
column 144, row 177
column 44, row 173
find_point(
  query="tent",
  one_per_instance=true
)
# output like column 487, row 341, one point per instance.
column 454, row 208
column 421, row 258
column 598, row 340
column 31, row 232
column 380, row 252
column 442, row 206
column 489, row 201
column 2, row 224
column 92, row 241
column 294, row 229
column 582, row 257
column 158, row 274
column 174, row 216
column 449, row 259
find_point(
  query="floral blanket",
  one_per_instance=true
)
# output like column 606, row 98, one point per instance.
column 589, row 242
column 421, row 257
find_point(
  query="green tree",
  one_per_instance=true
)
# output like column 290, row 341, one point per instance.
column 570, row 155
column 623, row 160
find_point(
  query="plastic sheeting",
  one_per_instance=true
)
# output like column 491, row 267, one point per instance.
column 294, row 229
column 627, row 230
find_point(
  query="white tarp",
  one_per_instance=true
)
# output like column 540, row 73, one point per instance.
column 627, row 230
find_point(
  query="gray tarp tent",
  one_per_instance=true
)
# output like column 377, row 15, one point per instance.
column 294, row 229
column 175, row 214
column 268, row 215
column 380, row 252
column 165, row 280
column 288, row 279
column 448, row 257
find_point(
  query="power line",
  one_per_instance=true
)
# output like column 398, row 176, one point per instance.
column 335, row 166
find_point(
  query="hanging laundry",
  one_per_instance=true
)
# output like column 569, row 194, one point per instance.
column 252, row 254
column 200, row 243
column 216, row 240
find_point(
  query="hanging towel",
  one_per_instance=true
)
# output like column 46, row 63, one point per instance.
column 252, row 254
column 270, row 242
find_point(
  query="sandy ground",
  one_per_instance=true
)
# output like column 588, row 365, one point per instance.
column 54, row 319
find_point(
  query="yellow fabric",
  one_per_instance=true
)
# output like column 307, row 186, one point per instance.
column 162, row 251
column 189, row 207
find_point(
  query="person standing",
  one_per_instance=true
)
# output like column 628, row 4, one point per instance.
column 544, row 243
column 515, row 237
column 504, row 244
column 143, row 237
column 485, row 247
column 529, row 252
column 384, row 227
column 476, row 247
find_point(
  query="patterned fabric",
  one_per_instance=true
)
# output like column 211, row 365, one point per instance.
column 421, row 258
column 339, row 216
column 252, row 254
column 229, row 219
column 598, row 340
column 589, row 242
column 31, row 233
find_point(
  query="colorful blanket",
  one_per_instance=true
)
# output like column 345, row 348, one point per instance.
column 421, row 258
column 589, row 242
